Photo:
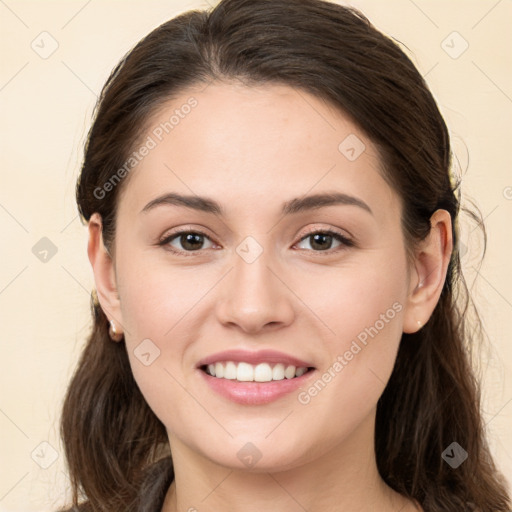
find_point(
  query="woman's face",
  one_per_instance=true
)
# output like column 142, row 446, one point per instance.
column 257, row 279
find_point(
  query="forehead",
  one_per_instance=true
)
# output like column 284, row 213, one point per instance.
column 254, row 145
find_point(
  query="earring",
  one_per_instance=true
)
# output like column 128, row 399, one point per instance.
column 114, row 335
column 419, row 323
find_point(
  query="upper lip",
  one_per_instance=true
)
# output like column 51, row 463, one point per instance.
column 256, row 357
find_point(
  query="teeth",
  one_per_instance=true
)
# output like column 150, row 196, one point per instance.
column 245, row 372
column 278, row 372
column 300, row 371
column 230, row 371
column 262, row 373
column 219, row 370
column 289, row 373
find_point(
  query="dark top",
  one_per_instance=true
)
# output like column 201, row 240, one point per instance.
column 157, row 480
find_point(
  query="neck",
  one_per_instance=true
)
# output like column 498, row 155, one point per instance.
column 345, row 478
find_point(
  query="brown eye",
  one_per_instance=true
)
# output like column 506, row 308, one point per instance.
column 321, row 241
column 185, row 241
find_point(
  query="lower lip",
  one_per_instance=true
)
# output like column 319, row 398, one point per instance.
column 255, row 393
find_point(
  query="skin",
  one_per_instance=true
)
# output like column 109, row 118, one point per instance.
column 251, row 149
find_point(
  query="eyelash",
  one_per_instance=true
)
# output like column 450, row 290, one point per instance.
column 346, row 242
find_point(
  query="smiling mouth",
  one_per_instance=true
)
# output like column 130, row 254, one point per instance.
column 262, row 372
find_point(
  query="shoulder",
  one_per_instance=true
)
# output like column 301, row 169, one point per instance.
column 157, row 479
column 155, row 482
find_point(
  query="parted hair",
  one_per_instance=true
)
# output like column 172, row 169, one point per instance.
column 116, row 448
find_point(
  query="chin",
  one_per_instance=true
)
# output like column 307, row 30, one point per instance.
column 257, row 457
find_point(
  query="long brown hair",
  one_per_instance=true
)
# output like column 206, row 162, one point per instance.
column 116, row 448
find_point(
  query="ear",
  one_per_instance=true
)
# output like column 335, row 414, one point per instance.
column 104, row 273
column 429, row 274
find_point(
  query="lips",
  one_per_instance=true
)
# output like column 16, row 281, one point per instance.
column 254, row 358
column 261, row 390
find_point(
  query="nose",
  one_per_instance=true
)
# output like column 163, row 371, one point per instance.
column 254, row 297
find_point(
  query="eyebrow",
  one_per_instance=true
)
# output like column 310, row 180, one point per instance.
column 299, row 204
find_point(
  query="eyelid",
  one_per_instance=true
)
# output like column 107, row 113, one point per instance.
column 317, row 229
column 345, row 240
column 165, row 240
column 180, row 230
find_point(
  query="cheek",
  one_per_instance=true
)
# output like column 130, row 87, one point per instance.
column 157, row 305
column 360, row 302
column 363, row 309
column 154, row 298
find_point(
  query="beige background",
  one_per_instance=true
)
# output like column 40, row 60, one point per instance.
column 46, row 107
